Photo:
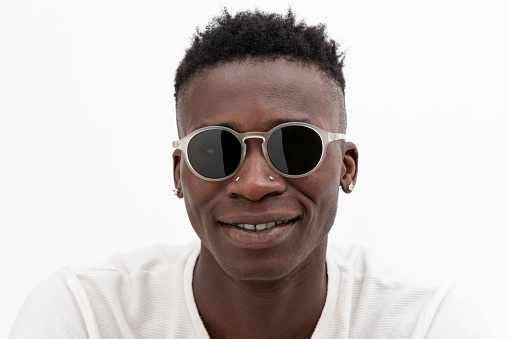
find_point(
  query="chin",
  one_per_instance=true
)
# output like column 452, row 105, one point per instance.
column 261, row 267
column 260, row 273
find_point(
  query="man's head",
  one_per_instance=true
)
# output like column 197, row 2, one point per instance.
column 264, row 37
column 253, row 72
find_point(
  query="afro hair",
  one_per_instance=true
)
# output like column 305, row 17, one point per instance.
column 263, row 36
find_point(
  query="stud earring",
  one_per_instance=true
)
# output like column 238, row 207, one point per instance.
column 238, row 178
column 271, row 178
column 176, row 191
column 351, row 187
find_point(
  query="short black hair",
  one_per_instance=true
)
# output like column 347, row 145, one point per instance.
column 260, row 35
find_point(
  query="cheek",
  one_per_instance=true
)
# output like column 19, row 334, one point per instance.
column 326, row 179
column 197, row 195
column 195, row 188
column 326, row 185
column 333, row 163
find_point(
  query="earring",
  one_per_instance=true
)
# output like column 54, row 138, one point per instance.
column 271, row 178
column 176, row 191
column 238, row 178
column 351, row 187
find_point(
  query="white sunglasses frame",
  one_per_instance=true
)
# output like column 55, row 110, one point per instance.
column 325, row 136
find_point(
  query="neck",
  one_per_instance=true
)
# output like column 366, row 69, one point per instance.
column 289, row 307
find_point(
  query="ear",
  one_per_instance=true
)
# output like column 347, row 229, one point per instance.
column 177, row 158
column 349, row 166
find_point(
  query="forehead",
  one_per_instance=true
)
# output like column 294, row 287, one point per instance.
column 256, row 95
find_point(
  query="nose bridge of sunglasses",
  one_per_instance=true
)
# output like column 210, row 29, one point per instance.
column 257, row 142
column 244, row 137
column 253, row 135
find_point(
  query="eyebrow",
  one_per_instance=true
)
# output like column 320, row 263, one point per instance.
column 229, row 124
column 282, row 121
column 272, row 123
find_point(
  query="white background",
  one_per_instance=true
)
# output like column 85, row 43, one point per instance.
column 87, row 117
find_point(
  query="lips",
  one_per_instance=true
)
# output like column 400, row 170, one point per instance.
column 261, row 230
column 261, row 227
column 259, row 235
column 258, row 223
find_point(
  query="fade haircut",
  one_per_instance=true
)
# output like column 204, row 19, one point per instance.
column 261, row 36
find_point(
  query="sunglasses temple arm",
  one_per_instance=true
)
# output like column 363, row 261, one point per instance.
column 337, row 136
column 176, row 144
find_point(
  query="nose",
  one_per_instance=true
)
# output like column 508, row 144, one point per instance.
column 255, row 179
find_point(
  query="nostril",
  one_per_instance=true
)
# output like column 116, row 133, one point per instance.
column 255, row 181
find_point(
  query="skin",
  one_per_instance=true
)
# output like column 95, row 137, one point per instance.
column 264, row 284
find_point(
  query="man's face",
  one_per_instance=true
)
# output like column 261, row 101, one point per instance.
column 256, row 96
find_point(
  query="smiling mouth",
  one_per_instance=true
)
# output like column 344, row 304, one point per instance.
column 262, row 227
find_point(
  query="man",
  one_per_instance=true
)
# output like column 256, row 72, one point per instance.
column 260, row 163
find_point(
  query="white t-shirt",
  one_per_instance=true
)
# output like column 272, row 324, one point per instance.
column 148, row 294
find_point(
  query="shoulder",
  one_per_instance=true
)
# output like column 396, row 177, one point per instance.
column 155, row 258
column 79, row 301
column 50, row 303
column 386, row 301
column 377, row 294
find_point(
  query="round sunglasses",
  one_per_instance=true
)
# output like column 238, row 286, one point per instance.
column 293, row 149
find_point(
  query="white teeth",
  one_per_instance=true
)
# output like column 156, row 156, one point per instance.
column 261, row 227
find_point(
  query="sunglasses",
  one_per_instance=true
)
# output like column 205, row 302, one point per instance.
column 292, row 149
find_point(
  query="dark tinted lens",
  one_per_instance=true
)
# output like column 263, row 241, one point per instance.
column 295, row 150
column 214, row 154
